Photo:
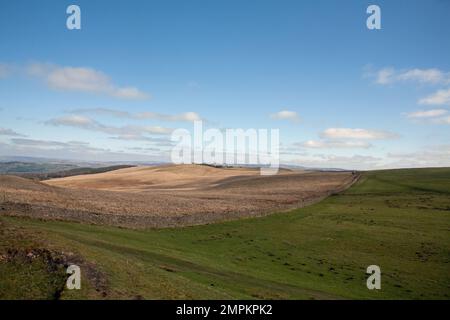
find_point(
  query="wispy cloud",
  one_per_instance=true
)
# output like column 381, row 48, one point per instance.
column 441, row 97
column 48, row 143
column 81, row 122
column 425, row 76
column 335, row 144
column 286, row 115
column 384, row 76
column 187, row 116
column 143, row 149
column 427, row 113
column 431, row 156
column 442, row 120
column 74, row 150
column 82, row 79
column 182, row 117
column 349, row 133
column 434, row 116
column 9, row 132
column 346, row 138
column 156, row 141
column 433, row 76
column 86, row 123
column 358, row 162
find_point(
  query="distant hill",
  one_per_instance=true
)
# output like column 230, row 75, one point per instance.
column 77, row 163
column 42, row 171
column 19, row 167
column 24, row 164
column 72, row 172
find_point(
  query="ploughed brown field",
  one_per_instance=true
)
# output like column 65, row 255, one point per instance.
column 164, row 196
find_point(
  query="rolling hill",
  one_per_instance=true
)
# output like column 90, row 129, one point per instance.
column 165, row 196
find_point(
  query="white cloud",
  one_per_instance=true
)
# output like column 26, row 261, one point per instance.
column 354, row 162
column 433, row 76
column 443, row 120
column 82, row 79
column 151, row 129
column 155, row 141
column 86, row 123
column 48, row 143
column 349, row 133
column 335, row 144
column 433, row 156
column 286, row 115
column 78, row 122
column 129, row 93
column 425, row 76
column 102, row 111
column 187, row 116
column 145, row 149
column 427, row 113
column 182, row 117
column 9, row 132
column 73, row 150
column 385, row 76
column 440, row 97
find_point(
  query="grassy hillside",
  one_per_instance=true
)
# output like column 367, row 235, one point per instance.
column 397, row 219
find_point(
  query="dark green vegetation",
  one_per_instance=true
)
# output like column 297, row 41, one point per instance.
column 19, row 167
column 397, row 219
column 74, row 172
column 27, row 271
column 43, row 171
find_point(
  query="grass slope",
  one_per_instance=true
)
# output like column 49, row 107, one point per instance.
column 397, row 219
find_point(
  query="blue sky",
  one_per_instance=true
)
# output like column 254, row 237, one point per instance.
column 341, row 95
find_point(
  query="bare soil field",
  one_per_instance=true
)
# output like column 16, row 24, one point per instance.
column 167, row 196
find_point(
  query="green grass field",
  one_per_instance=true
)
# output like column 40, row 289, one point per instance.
column 396, row 219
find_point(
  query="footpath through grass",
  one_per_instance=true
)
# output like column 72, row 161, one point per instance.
column 396, row 219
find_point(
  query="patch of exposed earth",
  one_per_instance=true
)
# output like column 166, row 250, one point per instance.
column 167, row 196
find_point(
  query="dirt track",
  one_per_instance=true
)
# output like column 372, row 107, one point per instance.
column 167, row 196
